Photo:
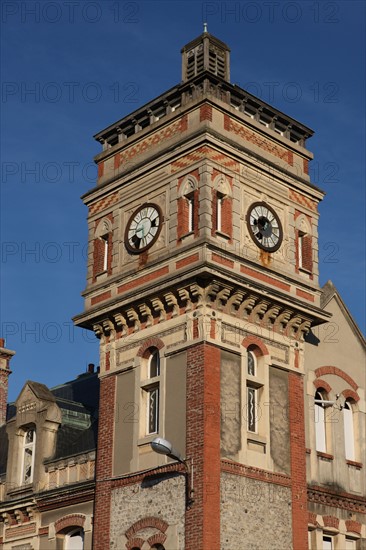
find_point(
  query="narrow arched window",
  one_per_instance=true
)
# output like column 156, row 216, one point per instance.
column 154, row 363
column 29, row 443
column 251, row 363
column 319, row 418
column 349, row 436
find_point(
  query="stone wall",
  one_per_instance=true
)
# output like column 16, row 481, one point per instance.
column 254, row 515
column 156, row 498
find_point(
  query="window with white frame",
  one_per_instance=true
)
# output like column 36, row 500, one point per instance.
column 74, row 540
column 253, row 392
column 151, row 392
column 348, row 427
column 29, row 443
column 190, row 200
column 219, row 201
column 327, row 542
column 350, row 544
column 319, row 419
column 105, row 242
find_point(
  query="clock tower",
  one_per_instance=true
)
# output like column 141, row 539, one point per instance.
column 202, row 282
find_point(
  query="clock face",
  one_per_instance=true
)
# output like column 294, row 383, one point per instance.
column 143, row 228
column 264, row 226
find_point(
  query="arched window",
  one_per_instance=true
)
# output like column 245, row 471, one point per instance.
column 319, row 418
column 151, row 393
column 348, row 426
column 158, row 546
column 29, row 444
column 74, row 540
column 188, row 208
column 251, row 364
column 222, row 207
column 102, row 248
column 304, row 246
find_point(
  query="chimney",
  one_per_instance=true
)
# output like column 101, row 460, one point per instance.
column 5, row 356
column 91, row 368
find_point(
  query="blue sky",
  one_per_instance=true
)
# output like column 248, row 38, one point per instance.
column 70, row 69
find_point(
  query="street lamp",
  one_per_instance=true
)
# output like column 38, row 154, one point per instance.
column 164, row 447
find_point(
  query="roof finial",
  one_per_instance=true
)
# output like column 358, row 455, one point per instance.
column 205, row 27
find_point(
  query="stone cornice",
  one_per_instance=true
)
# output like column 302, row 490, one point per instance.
column 217, row 295
column 346, row 501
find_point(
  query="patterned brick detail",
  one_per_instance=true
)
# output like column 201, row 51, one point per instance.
column 20, row 531
column 72, row 520
column 255, row 473
column 221, row 260
column 306, row 166
column 353, row 526
column 142, row 280
column 254, row 137
column 205, row 113
column 205, row 152
column 151, row 141
column 104, row 469
column 202, row 527
column 159, row 538
column 331, row 521
column 158, row 523
column 350, row 394
column 318, row 383
column 186, row 261
column 321, row 371
column 305, row 295
column 298, row 462
column 301, row 199
column 100, row 297
column 150, row 343
column 253, row 340
column 104, row 203
column 43, row 531
column 136, row 542
column 264, row 278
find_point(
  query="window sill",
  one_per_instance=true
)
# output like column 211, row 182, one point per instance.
column 147, row 439
column 101, row 276
column 355, row 464
column 305, row 271
column 324, row 456
column 222, row 235
column 186, row 235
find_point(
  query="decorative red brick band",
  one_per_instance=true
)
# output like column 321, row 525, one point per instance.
column 186, row 261
column 331, row 521
column 104, row 203
column 150, row 343
column 321, row 371
column 221, row 260
column 236, row 468
column 353, row 526
column 143, row 523
column 265, row 278
column 159, row 538
column 351, row 394
column 305, row 295
column 255, row 341
column 205, row 113
column 142, row 280
column 136, row 542
column 100, row 297
column 318, row 383
column 72, row 520
column 43, row 531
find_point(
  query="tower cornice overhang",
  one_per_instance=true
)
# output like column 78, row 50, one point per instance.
column 208, row 286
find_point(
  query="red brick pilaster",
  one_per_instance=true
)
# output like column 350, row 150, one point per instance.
column 298, row 462
column 102, row 505
column 203, row 446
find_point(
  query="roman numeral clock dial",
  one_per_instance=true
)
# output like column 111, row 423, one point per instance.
column 264, row 226
column 143, row 228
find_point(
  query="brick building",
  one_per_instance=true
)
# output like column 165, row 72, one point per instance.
column 203, row 288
